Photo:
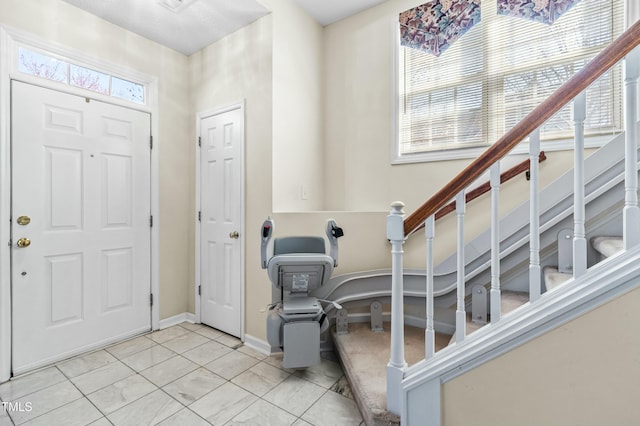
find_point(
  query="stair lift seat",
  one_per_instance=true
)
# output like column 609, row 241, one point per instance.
column 299, row 266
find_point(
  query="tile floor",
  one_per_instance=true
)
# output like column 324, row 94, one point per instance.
column 184, row 375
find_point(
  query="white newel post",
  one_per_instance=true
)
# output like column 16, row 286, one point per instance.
column 631, row 212
column 495, row 243
column 397, row 365
column 579, row 210
column 534, row 217
column 429, row 333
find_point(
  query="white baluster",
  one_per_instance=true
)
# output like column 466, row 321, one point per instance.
column 631, row 212
column 579, row 232
column 429, row 334
column 461, row 316
column 534, row 217
column 397, row 363
column 495, row 243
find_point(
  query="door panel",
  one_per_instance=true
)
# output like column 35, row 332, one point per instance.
column 221, row 216
column 81, row 172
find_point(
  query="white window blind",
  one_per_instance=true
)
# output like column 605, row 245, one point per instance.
column 499, row 71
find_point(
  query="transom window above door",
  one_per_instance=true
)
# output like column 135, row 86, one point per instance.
column 42, row 65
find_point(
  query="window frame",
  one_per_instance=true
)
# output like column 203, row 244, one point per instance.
column 558, row 144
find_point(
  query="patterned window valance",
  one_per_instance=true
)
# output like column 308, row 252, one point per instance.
column 545, row 11
column 434, row 26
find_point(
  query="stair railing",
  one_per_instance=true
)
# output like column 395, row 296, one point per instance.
column 399, row 228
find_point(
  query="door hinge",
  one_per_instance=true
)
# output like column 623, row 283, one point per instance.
column 199, row 290
column 199, row 216
column 199, row 141
column 150, row 142
column 150, row 299
column 151, row 221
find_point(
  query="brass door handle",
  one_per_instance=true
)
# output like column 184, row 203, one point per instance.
column 24, row 242
column 234, row 235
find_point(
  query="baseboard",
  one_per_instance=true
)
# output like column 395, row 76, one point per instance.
column 257, row 344
column 177, row 319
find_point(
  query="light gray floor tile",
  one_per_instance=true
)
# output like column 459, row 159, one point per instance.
column 148, row 357
column 83, row 364
column 223, row 404
column 148, row 410
column 185, row 417
column 169, row 370
column 301, row 422
column 45, row 400
column 343, row 411
column 185, row 342
column 167, row 334
column 231, row 364
column 77, row 413
column 5, row 420
column 194, row 385
column 260, row 378
column 121, row 393
column 295, row 395
column 208, row 332
column 101, row 377
column 101, row 422
column 232, row 342
column 130, row 347
column 264, row 414
column 29, row 383
column 325, row 374
column 252, row 352
column 191, row 326
column 206, row 353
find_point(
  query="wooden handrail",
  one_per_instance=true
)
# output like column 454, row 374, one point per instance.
column 610, row 56
column 486, row 187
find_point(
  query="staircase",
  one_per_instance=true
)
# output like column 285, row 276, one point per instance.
column 555, row 294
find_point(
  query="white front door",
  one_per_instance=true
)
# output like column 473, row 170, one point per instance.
column 221, row 172
column 80, row 224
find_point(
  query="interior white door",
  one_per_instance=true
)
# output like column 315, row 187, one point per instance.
column 80, row 224
column 221, row 159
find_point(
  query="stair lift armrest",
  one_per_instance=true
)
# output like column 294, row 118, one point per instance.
column 333, row 233
column 265, row 238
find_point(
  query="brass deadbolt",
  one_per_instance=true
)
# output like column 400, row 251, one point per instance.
column 24, row 220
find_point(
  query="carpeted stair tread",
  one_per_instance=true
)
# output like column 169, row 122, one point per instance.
column 365, row 355
column 607, row 246
column 554, row 278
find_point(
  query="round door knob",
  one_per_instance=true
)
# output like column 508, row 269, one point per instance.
column 234, row 235
column 24, row 242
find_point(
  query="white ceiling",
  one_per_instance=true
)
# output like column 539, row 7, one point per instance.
column 329, row 11
column 195, row 24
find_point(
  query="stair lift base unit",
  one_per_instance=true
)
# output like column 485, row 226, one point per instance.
column 297, row 267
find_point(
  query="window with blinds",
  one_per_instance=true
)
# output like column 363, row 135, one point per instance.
column 497, row 73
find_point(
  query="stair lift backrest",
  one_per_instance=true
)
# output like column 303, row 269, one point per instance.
column 299, row 264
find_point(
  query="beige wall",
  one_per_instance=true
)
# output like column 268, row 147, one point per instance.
column 583, row 373
column 64, row 24
column 298, row 125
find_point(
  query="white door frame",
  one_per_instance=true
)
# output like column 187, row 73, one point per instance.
column 9, row 39
column 199, row 117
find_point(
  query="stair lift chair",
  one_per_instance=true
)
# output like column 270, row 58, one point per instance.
column 298, row 266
